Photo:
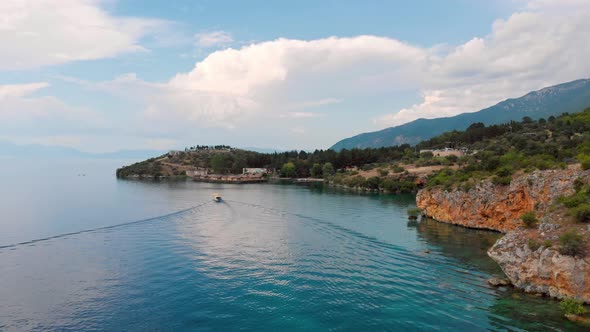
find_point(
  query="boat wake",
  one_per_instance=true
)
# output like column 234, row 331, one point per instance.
column 162, row 217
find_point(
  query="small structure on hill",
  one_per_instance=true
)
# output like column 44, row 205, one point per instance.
column 197, row 172
column 446, row 152
column 253, row 170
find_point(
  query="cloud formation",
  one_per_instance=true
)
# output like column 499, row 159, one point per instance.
column 213, row 38
column 35, row 33
column 296, row 83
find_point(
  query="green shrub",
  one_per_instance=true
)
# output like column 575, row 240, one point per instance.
column 383, row 172
column 572, row 306
column 373, row 182
column 573, row 201
column 571, row 243
column 533, row 244
column 529, row 219
column 504, row 171
column 367, row 167
column 582, row 213
column 414, row 212
column 547, row 243
column 502, row 180
column 397, row 169
column 578, row 184
column 584, row 160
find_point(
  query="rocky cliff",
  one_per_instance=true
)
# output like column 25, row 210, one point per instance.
column 542, row 270
column 498, row 207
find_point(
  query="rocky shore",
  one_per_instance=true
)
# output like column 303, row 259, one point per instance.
column 488, row 206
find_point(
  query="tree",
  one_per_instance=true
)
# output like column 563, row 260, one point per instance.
column 288, row 170
column 328, row 169
column 219, row 163
column 316, row 170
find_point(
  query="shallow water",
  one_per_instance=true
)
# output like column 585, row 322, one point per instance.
column 131, row 255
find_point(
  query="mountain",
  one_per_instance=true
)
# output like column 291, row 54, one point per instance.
column 10, row 150
column 568, row 97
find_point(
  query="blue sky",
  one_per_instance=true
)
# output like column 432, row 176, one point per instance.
column 107, row 75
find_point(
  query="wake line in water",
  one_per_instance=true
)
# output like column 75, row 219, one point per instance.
column 103, row 228
column 370, row 239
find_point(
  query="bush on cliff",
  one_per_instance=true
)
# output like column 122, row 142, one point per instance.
column 572, row 306
column 533, row 244
column 582, row 213
column 571, row 243
column 584, row 160
column 529, row 219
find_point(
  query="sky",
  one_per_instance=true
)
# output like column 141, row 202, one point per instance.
column 109, row 75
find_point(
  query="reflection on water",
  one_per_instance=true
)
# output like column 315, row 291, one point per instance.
column 271, row 257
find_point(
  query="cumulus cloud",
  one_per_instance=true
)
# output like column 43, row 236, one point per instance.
column 296, row 81
column 20, row 90
column 533, row 48
column 21, row 111
column 213, row 38
column 36, row 33
column 530, row 50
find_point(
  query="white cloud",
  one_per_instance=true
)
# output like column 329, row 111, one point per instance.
column 299, row 115
column 532, row 49
column 213, row 38
column 22, row 112
column 20, row 90
column 36, row 33
column 287, row 80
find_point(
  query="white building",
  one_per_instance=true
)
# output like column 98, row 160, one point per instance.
column 197, row 172
column 254, row 171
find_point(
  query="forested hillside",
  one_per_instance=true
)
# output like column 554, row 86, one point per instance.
column 551, row 101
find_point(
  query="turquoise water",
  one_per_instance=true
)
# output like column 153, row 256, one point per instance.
column 95, row 253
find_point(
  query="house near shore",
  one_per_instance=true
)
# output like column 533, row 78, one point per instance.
column 197, row 172
column 447, row 152
column 254, row 171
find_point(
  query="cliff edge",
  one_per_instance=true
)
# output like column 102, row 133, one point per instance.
column 532, row 258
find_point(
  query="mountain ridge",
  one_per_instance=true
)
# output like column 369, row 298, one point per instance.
column 568, row 97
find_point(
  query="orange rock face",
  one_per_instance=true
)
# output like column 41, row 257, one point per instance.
column 498, row 207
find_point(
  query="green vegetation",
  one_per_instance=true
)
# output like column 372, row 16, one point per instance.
column 496, row 153
column 505, row 149
column 288, row 170
column 572, row 306
column 316, row 170
column 571, row 243
column 533, row 244
column 529, row 219
column 552, row 101
column 328, row 170
column 413, row 213
column 578, row 204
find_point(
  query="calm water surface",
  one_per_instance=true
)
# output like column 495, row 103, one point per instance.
column 84, row 251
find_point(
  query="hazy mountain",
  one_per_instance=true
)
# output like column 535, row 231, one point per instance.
column 10, row 150
column 567, row 97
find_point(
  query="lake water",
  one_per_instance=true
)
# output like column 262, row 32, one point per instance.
column 82, row 250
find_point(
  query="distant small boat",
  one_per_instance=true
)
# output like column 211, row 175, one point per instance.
column 216, row 197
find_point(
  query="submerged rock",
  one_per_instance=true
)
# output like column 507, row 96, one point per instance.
column 497, row 282
column 579, row 319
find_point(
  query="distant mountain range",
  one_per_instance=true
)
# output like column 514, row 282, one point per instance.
column 554, row 100
column 10, row 150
